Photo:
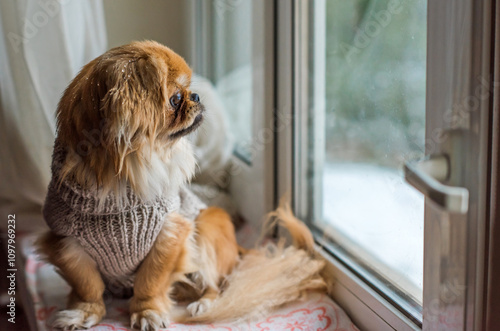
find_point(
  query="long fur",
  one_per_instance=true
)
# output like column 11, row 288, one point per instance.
column 217, row 247
column 117, row 124
column 283, row 216
column 268, row 277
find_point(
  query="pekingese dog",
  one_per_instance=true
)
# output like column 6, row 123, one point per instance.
column 121, row 216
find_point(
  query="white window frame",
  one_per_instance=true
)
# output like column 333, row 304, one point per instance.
column 470, row 22
column 368, row 309
column 460, row 50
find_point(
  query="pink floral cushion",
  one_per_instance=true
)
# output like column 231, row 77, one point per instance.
column 48, row 293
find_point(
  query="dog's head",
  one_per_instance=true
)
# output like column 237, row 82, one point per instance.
column 130, row 101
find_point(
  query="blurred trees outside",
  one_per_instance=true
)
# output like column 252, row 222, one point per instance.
column 375, row 80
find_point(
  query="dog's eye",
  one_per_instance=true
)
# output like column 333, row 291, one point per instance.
column 176, row 100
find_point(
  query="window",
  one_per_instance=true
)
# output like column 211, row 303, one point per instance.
column 351, row 93
column 367, row 86
column 381, row 87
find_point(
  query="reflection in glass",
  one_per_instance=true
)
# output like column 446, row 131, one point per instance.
column 232, row 68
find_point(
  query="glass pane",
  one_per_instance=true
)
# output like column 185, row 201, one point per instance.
column 373, row 109
column 232, row 67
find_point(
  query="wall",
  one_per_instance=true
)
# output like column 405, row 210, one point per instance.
column 166, row 21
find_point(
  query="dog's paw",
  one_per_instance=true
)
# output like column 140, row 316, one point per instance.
column 74, row 319
column 199, row 307
column 149, row 320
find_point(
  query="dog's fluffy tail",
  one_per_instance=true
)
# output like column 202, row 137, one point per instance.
column 283, row 216
column 268, row 277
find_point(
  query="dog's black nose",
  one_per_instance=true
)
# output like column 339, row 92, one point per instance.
column 195, row 97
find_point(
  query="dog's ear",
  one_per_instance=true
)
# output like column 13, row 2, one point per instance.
column 131, row 97
column 112, row 108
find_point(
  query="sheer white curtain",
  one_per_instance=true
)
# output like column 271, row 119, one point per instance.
column 43, row 44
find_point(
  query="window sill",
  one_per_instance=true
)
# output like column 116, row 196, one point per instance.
column 367, row 309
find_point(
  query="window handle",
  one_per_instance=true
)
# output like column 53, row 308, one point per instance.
column 426, row 176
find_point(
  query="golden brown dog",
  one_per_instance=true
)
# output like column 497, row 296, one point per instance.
column 120, row 161
column 121, row 123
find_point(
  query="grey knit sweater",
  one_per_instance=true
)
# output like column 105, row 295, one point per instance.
column 118, row 236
